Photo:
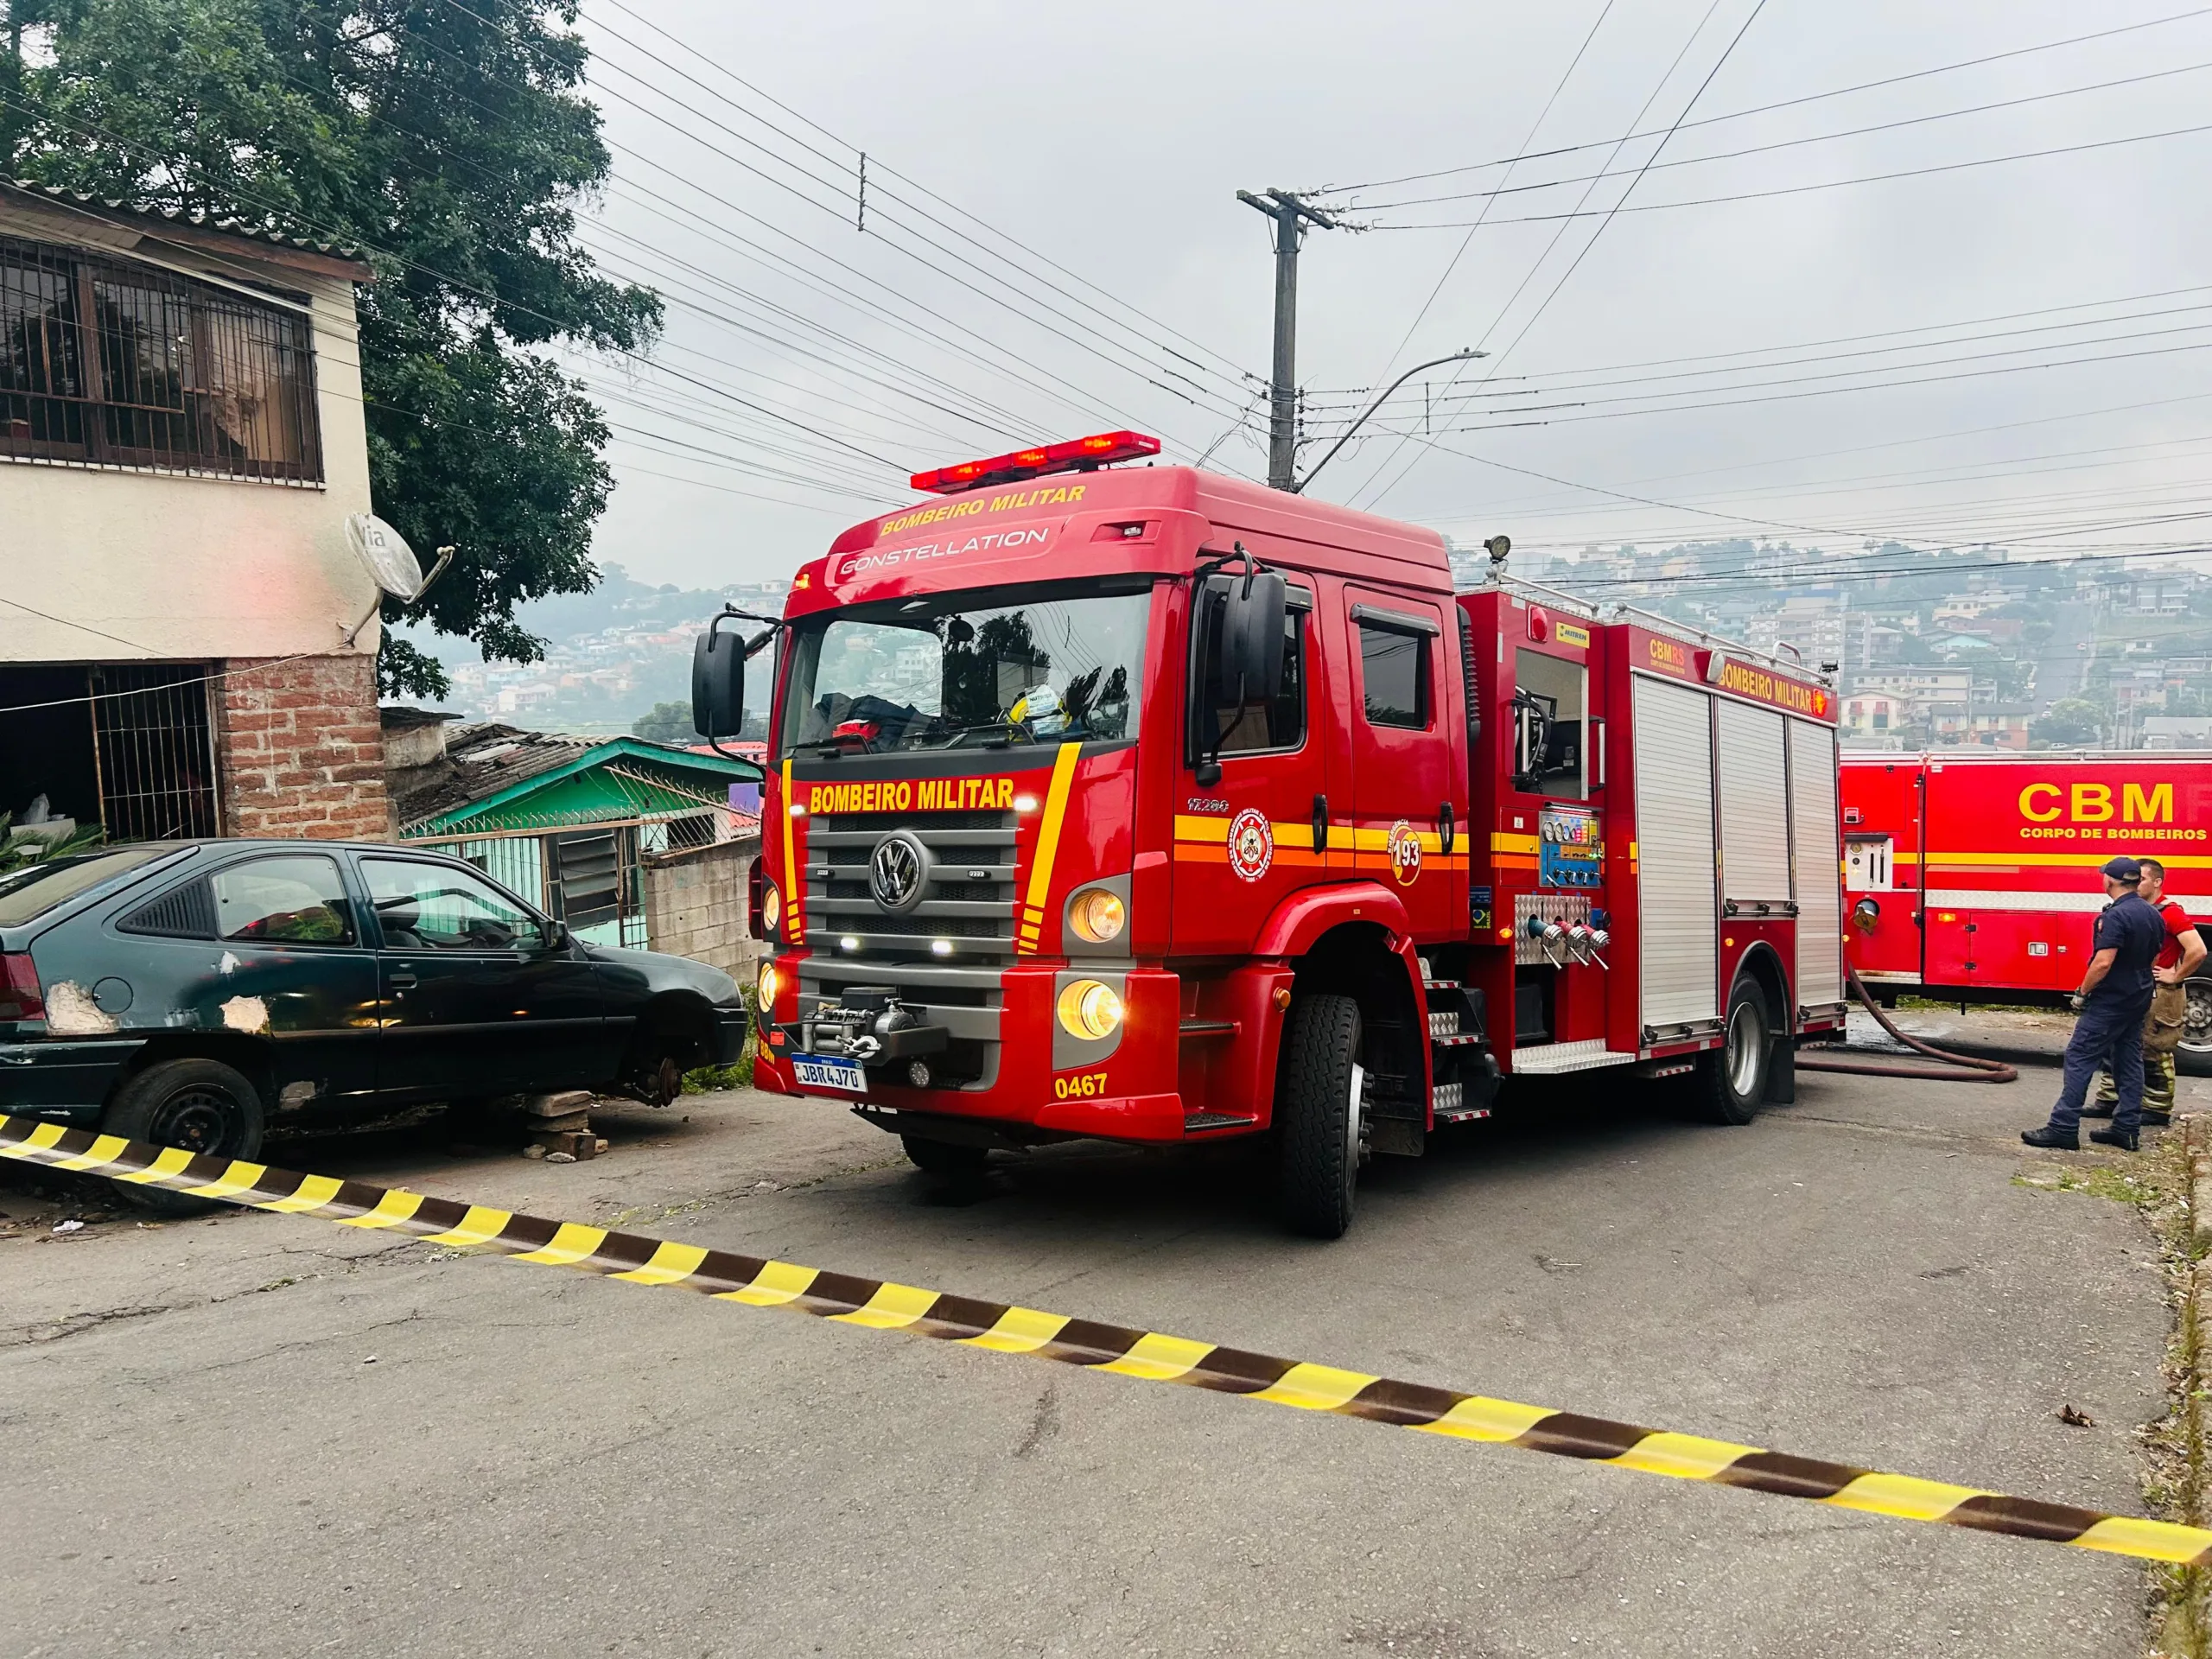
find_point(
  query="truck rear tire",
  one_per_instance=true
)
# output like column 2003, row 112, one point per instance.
column 944, row 1157
column 1317, row 1114
column 1731, row 1080
column 2194, row 1056
column 205, row 1107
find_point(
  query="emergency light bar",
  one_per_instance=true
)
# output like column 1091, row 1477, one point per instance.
column 1076, row 455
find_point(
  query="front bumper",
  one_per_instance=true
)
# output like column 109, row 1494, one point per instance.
column 66, row 1082
column 732, row 1026
column 1039, row 1086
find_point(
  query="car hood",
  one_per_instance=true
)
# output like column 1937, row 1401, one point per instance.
column 663, row 972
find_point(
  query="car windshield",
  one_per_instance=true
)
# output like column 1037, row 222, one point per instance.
column 1026, row 666
column 28, row 893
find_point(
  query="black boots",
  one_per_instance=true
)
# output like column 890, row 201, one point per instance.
column 2124, row 1139
column 2054, row 1140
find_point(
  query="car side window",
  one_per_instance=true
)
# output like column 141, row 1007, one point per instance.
column 292, row 899
column 437, row 907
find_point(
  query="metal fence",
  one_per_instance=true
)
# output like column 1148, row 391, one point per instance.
column 107, row 363
column 155, row 751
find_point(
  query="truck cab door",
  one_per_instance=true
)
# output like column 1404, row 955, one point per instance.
column 1405, row 795
column 1245, row 838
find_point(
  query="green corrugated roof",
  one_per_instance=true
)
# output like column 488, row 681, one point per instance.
column 618, row 781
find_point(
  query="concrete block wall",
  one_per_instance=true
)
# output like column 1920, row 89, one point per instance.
column 299, row 749
column 696, row 905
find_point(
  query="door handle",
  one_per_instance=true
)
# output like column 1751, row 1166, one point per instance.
column 401, row 982
column 1446, row 827
column 1320, row 823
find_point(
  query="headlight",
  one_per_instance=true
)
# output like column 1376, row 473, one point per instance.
column 770, row 983
column 1089, row 1010
column 1097, row 915
column 772, row 910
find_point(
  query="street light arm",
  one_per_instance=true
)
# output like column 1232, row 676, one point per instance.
column 1457, row 357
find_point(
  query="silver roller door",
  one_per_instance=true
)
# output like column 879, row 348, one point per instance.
column 1817, row 840
column 1754, row 804
column 1678, row 967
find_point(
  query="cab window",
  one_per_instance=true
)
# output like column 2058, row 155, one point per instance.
column 1393, row 668
column 1548, row 714
column 1255, row 728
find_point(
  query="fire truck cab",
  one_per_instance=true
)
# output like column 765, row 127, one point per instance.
column 1151, row 805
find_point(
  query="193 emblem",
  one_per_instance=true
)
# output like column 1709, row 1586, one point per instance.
column 1251, row 844
column 1405, row 853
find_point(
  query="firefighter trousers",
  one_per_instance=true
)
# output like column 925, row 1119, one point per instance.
column 2162, row 1030
column 2108, row 1034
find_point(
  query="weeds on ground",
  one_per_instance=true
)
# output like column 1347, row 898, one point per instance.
column 708, row 1079
column 2098, row 1180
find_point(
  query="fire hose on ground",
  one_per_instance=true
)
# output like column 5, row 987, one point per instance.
column 1959, row 1068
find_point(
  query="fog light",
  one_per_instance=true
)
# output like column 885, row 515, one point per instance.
column 771, row 983
column 918, row 1073
column 1089, row 1010
column 1097, row 915
column 849, row 943
column 771, row 909
column 940, row 947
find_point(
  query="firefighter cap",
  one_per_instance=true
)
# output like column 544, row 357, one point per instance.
column 2124, row 869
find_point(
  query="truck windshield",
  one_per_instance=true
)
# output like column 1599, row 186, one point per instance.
column 1045, row 664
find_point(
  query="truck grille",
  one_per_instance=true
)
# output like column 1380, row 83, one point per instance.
column 968, row 902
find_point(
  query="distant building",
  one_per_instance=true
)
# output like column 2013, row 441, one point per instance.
column 2178, row 732
column 1875, row 714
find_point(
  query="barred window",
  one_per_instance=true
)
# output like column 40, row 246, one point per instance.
column 106, row 363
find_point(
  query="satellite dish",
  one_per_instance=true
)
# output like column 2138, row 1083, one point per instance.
column 385, row 552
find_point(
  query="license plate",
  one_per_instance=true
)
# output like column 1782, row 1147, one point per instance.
column 826, row 1071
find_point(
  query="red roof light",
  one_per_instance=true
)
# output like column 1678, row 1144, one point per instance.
column 1077, row 454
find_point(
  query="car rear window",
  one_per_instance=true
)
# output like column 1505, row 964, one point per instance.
column 28, row 895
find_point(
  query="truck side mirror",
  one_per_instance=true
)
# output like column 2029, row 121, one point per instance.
column 718, row 682
column 1251, row 637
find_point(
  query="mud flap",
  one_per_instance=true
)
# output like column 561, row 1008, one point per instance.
column 1782, row 1073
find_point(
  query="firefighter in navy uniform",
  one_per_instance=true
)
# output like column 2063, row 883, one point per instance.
column 2182, row 955
column 2114, row 997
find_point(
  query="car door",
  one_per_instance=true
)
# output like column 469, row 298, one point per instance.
column 1245, row 839
column 295, row 967
column 1402, row 784
column 481, row 995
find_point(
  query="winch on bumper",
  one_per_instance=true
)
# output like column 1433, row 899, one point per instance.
column 870, row 1025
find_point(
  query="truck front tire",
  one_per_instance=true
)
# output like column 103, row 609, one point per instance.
column 1731, row 1080
column 944, row 1158
column 1317, row 1114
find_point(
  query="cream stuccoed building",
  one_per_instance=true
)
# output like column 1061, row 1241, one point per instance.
column 187, row 643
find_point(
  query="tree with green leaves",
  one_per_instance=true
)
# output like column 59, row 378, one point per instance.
column 448, row 141
column 667, row 723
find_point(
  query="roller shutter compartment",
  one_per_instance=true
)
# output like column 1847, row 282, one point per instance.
column 1678, row 967
column 1816, row 839
column 1754, row 804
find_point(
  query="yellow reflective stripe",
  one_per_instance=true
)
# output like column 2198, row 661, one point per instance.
column 105, row 1150
column 238, row 1178
column 1959, row 861
column 779, row 1282
column 1196, row 828
column 479, row 1226
column 1019, row 1331
column 392, row 1209
column 1314, row 1388
column 1505, row 843
column 1686, row 1457
column 1906, row 1497
column 2160, row 1540
column 891, row 1307
column 172, row 1161
column 1159, row 1358
column 314, row 1192
column 1048, row 833
column 1481, row 1419
column 792, row 887
column 570, row 1245
column 670, row 1264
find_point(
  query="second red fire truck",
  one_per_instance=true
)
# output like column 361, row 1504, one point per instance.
column 1974, row 876
column 1141, row 802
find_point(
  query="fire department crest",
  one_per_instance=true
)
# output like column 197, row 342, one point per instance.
column 1405, row 853
column 1251, row 844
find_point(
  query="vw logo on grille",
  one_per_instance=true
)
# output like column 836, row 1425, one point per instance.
column 898, row 871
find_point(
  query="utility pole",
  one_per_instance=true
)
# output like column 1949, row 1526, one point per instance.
column 1291, row 215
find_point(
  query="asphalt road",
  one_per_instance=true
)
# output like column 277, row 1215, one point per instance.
column 259, row 1434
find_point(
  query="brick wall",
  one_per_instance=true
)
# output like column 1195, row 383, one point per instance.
column 299, row 749
column 696, row 905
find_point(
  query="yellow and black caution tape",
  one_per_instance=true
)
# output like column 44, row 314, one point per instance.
column 1150, row 1355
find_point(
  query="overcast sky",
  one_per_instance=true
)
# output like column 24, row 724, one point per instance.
column 809, row 365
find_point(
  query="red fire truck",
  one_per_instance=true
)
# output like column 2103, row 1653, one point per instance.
column 1146, row 804
column 1974, row 876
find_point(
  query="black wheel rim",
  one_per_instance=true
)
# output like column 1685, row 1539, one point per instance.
column 200, row 1118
